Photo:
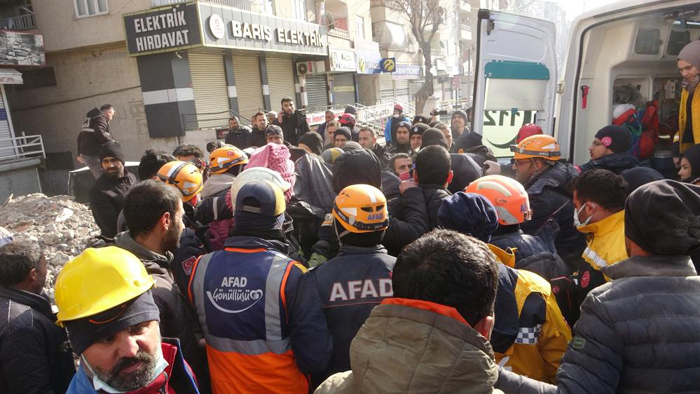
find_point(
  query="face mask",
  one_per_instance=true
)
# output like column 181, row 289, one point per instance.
column 577, row 222
column 98, row 384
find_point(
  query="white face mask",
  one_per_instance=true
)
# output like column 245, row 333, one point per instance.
column 577, row 222
column 98, row 384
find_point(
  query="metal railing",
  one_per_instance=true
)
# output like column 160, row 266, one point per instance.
column 240, row 4
column 21, row 22
column 24, row 147
column 340, row 33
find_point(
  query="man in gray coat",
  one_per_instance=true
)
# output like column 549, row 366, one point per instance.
column 639, row 332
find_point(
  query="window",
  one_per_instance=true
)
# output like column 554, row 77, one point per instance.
column 360, row 27
column 299, row 9
column 37, row 78
column 648, row 42
column 85, row 8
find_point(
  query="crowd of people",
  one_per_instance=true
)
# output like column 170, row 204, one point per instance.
column 299, row 261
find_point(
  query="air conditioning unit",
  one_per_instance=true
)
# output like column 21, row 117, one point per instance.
column 304, row 68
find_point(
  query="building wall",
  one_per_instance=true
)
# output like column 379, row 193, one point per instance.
column 87, row 78
column 57, row 21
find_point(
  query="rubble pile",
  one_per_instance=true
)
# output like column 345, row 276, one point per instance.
column 60, row 224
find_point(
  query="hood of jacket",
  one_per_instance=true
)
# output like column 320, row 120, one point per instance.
column 616, row 162
column 412, row 346
column 216, row 184
column 93, row 112
column 155, row 263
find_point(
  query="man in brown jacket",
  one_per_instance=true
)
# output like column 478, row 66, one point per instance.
column 433, row 336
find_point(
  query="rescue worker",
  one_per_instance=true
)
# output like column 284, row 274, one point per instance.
column 237, row 134
column 104, row 299
column 254, row 346
column 393, row 123
column 530, row 334
column 359, row 277
column 401, row 139
column 689, row 110
column 536, row 165
column 534, row 253
column 224, row 164
column 609, row 150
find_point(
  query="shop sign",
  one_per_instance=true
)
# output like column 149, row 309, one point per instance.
column 406, row 72
column 162, row 30
column 368, row 56
column 342, row 60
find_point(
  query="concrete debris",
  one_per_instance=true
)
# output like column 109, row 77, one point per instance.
column 61, row 225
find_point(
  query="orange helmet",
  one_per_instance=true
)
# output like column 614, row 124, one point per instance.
column 542, row 146
column 183, row 175
column 507, row 195
column 224, row 158
column 361, row 209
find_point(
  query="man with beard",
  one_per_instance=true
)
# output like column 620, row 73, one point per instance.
column 107, row 195
column 94, row 134
column 461, row 135
column 256, row 138
column 292, row 122
column 154, row 215
column 105, row 301
column 393, row 123
column 237, row 134
column 401, row 141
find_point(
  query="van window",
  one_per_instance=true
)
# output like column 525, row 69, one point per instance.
column 648, row 42
column 676, row 41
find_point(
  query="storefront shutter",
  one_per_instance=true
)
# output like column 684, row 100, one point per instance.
column 246, row 72
column 5, row 131
column 413, row 88
column 281, row 80
column 209, row 85
column 316, row 93
column 344, row 89
column 386, row 87
column 401, row 86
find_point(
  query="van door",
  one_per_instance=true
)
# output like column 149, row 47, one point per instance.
column 515, row 78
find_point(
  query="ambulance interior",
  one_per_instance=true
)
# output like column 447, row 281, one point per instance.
column 626, row 63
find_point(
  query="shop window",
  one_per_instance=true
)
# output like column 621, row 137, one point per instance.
column 648, row 42
column 85, row 8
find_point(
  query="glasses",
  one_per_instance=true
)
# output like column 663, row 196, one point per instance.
column 521, row 162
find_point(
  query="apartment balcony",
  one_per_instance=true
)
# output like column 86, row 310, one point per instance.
column 240, row 4
column 340, row 33
column 21, row 22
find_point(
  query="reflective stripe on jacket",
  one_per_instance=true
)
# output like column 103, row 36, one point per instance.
column 606, row 241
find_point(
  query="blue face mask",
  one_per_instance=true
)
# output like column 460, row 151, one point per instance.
column 98, row 384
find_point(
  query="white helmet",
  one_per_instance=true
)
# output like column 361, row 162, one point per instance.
column 256, row 174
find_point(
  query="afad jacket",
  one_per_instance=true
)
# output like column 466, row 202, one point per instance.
column 606, row 241
column 177, row 378
column 416, row 347
column 530, row 335
column 261, row 317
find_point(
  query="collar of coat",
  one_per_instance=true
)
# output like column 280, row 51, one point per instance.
column 38, row 302
column 651, row 266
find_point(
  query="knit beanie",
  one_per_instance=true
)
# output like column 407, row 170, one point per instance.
column 111, row 149
column 616, row 138
column 273, row 130
column 469, row 213
column 275, row 157
column 462, row 114
column 433, row 136
column 692, row 154
column 691, row 54
column 350, row 110
column 313, row 140
column 351, row 146
column 663, row 218
column 357, row 167
column 331, row 154
column 344, row 131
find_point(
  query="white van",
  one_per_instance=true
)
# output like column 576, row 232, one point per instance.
column 633, row 43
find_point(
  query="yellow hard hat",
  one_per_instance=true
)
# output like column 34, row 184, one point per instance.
column 540, row 145
column 183, row 175
column 222, row 159
column 361, row 209
column 98, row 280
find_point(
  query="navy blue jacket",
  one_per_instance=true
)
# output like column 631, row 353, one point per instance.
column 238, row 137
column 617, row 162
column 350, row 286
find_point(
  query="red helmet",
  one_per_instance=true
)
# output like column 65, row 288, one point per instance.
column 347, row 119
column 528, row 130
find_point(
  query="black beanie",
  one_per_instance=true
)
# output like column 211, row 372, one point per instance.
column 112, row 149
column 433, row 136
column 461, row 114
column 350, row 110
column 313, row 140
column 692, row 154
column 673, row 230
column 421, row 119
column 418, row 128
column 616, row 138
column 344, row 131
column 357, row 167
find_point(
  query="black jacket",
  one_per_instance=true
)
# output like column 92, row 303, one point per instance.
column 617, row 162
column 550, row 197
column 465, row 171
column 434, row 196
column 94, row 133
column 35, row 356
column 636, row 334
column 107, row 200
column 350, row 286
column 256, row 138
column 238, row 137
column 408, row 220
column 467, row 140
column 293, row 126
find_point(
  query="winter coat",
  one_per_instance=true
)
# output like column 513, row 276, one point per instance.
column 216, row 212
column 637, row 333
column 314, row 184
column 683, row 119
column 177, row 378
column 606, row 241
column 408, row 220
column 253, row 346
column 416, row 347
column 617, row 162
column 256, row 138
column 350, row 286
column 216, row 184
column 177, row 320
column 467, row 140
column 238, row 137
column 35, row 356
column 434, row 196
column 550, row 197
column 107, row 199
column 465, row 171
column 390, row 128
column 94, row 134
column 293, row 127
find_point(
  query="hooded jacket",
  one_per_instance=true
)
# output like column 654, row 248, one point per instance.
column 217, row 184
column 408, row 220
column 416, row 347
column 616, row 162
column 605, row 245
column 314, row 184
column 35, row 356
column 107, row 200
column 636, row 334
column 390, row 128
column 94, row 134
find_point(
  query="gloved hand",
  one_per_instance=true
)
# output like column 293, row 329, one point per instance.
column 492, row 168
column 316, row 260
